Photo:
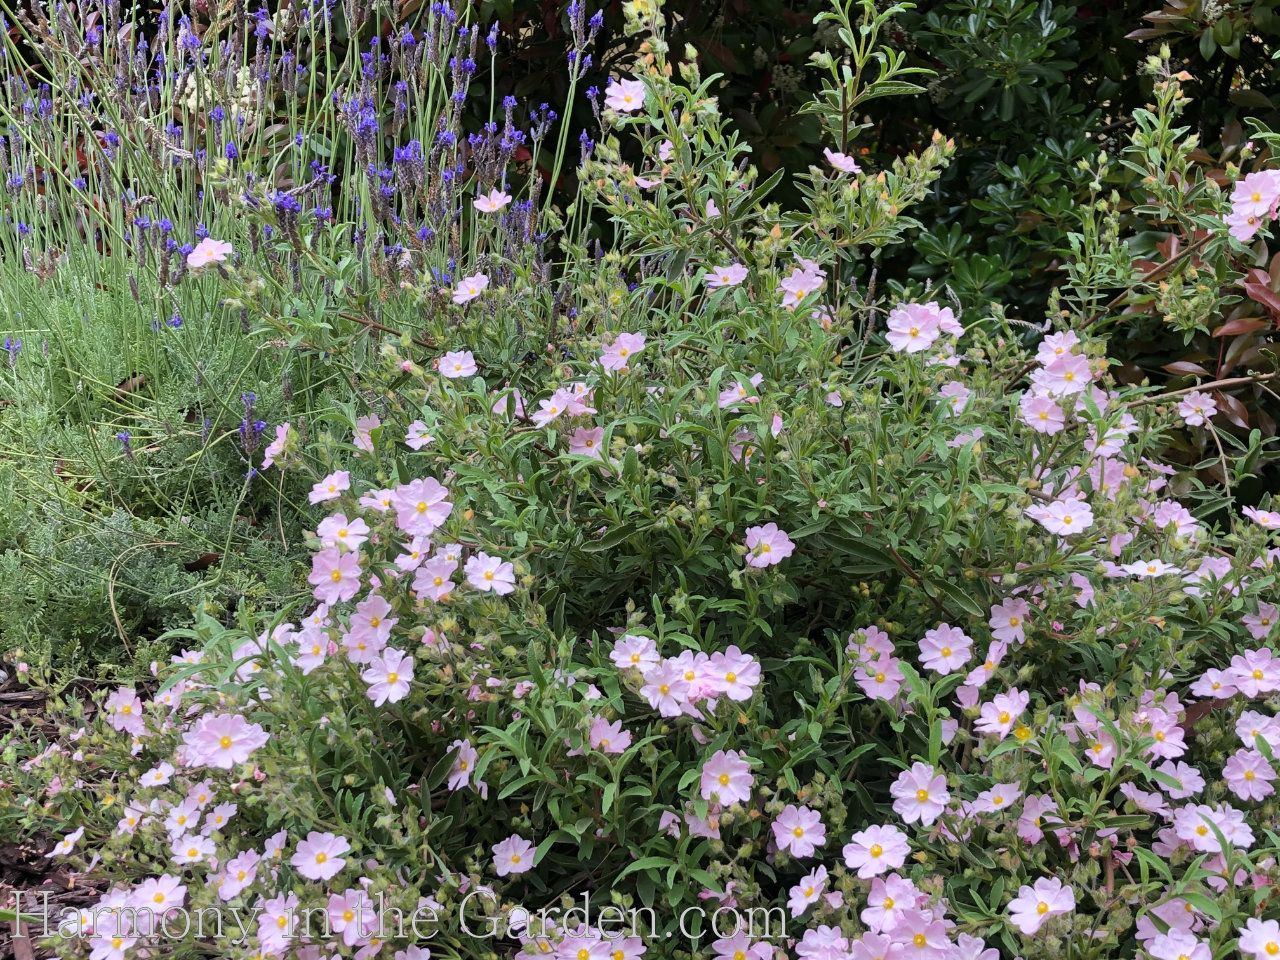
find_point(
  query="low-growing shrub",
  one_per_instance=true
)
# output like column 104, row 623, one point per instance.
column 775, row 614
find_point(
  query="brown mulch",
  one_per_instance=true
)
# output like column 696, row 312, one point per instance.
column 23, row 866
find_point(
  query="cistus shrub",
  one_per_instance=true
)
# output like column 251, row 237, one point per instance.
column 749, row 609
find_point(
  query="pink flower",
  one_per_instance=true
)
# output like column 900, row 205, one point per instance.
column 1260, row 939
column 1064, row 517
column 421, row 506
column 493, row 201
column 920, row 794
column 1002, row 712
column 319, row 857
column 1042, row 415
column 1261, row 623
column 1242, row 226
column 338, row 531
column 767, row 545
column 469, row 288
column 1257, row 194
column 666, row 689
column 417, row 436
column 888, row 901
column 999, row 797
column 719, row 277
column 1034, row 905
column 365, row 426
column 388, row 677
column 841, row 162
column 433, row 578
column 633, row 651
column 513, row 855
column 913, row 327
column 68, row 843
column 124, row 711
column 624, row 96
column 799, row 284
column 276, row 446
column 733, row 673
column 1255, row 672
column 457, row 363
column 586, row 442
column 726, row 778
column 956, row 395
column 222, row 741
column 463, row 764
column 807, row 891
column 875, row 850
column 618, row 354
column 552, row 407
column 609, row 737
column 335, row 576
column 487, row 573
column 945, row 649
column 1249, row 775
column 1267, row 518
column 208, row 251
column 191, row 848
column 1196, row 408
column 331, row 487
column 1009, row 620
column 799, row 830
column 1069, row 374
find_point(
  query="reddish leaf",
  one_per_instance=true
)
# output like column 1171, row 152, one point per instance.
column 1233, row 409
column 1257, row 285
column 1234, row 328
column 1185, row 368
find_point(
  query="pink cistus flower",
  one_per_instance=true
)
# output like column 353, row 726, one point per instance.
column 487, row 573
column 799, row 830
column 624, row 96
column 841, row 161
column 492, row 202
column 876, row 850
column 222, row 741
column 618, row 354
column 767, row 545
column 208, row 251
column 513, row 855
column 726, row 777
column 469, row 288
column 388, row 677
column 913, row 327
column 1034, row 905
column 334, row 575
column 457, row 363
column 421, row 506
column 717, row 278
column 319, row 857
column 920, row 794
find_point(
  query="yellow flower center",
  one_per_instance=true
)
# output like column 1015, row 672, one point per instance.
column 731, row 677
column 919, row 940
column 1042, row 908
column 876, row 850
column 798, row 832
column 1004, row 716
column 724, row 779
column 922, row 795
column 336, row 576
column 225, row 743
column 393, row 677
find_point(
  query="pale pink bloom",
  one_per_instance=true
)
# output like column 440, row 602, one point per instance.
column 353, row 915
column 338, row 531
column 1242, row 226
column 1009, row 620
column 240, row 873
column 1196, row 408
column 920, row 794
column 415, row 554
column 1248, row 775
column 509, row 400
column 1267, row 518
column 433, row 578
column 945, row 649
column 799, row 830
column 999, row 797
column 634, row 651
column 1034, row 807
column 68, row 843
column 624, row 96
column 365, row 426
column 319, row 857
column 1255, row 672
column 552, row 407
column 727, row 778
column 913, row 327
column 421, row 506
column 208, row 251
column 1066, row 376
column 191, row 848
column 737, row 947
column 1055, row 345
column 377, row 500
column 609, row 737
column 1142, row 569
column 469, row 288
column 1189, row 780
column 463, row 764
column 666, row 688
column 223, row 741
column 875, row 850
column 1256, row 194
column 733, row 673
column 586, row 442
column 388, row 677
column 487, row 573
column 807, row 891
column 767, row 545
column 124, row 711
column 331, row 487
column 799, row 284
column 888, row 901
column 841, row 161
column 618, row 354
column 457, row 363
column 1260, row 939
column 1214, row 684
column 417, row 436
column 493, row 201
column 921, row 935
column 513, row 855
column 334, row 575
column 955, row 396
column 1042, row 415
column 1178, row 945
column 1101, row 751
column 218, row 817
column 1002, row 712
column 881, row 680
column 718, row 277
column 1036, row 904
column 1065, row 517
column 1194, row 823
column 276, row 446
column 1258, row 624
column 739, row 393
